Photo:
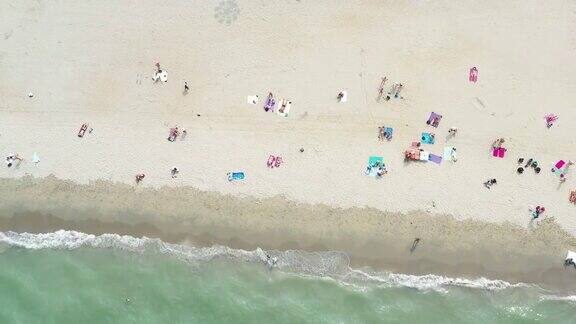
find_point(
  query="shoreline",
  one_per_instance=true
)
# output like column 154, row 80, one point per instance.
column 373, row 238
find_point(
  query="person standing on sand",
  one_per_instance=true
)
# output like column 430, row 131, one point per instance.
column 414, row 244
column 186, row 88
column 174, row 172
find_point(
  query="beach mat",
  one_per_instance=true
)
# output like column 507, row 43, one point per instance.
column 448, row 150
column 252, row 100
column 373, row 160
column 427, row 138
column 435, row 158
column 389, row 131
column 235, row 176
column 424, row 156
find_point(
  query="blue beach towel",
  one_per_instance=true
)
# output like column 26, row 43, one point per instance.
column 389, row 131
column 235, row 176
column 427, row 138
column 373, row 160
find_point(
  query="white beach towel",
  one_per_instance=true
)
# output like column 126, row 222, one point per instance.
column 252, row 100
column 162, row 76
column 424, row 155
column 345, row 96
column 286, row 110
column 571, row 255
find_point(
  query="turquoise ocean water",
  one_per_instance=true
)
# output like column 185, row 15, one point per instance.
column 69, row 277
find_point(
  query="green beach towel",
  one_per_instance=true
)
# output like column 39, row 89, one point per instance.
column 448, row 150
column 373, row 160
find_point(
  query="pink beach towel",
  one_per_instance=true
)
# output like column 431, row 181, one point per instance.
column 559, row 164
column 499, row 152
column 473, row 75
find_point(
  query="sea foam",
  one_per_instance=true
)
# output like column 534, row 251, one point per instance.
column 333, row 265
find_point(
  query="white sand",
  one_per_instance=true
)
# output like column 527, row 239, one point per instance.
column 93, row 62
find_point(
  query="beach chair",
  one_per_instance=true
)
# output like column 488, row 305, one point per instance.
column 434, row 119
column 234, row 176
column 427, row 138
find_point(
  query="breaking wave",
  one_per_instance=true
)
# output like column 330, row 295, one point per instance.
column 333, row 265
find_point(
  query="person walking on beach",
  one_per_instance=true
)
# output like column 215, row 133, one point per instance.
column 174, row 172
column 186, row 87
column 414, row 244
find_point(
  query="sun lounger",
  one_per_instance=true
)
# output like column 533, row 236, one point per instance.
column 435, row 158
column 434, row 119
column 284, row 108
column 232, row 176
column 427, row 138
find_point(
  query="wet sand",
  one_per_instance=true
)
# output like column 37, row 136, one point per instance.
column 370, row 237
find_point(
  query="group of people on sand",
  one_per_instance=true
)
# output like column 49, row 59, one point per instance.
column 393, row 92
column 13, row 159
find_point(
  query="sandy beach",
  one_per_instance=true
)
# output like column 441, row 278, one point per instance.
column 93, row 62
